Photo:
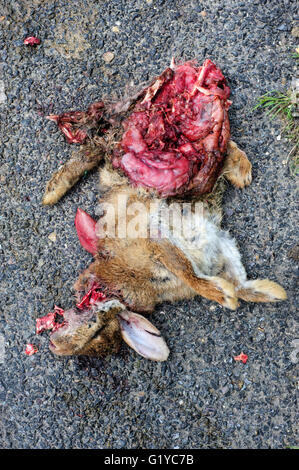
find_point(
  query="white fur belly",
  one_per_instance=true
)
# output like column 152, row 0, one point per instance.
column 202, row 248
column 197, row 236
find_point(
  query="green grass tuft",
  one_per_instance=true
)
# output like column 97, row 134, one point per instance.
column 286, row 106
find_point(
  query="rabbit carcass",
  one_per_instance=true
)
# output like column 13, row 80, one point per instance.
column 168, row 144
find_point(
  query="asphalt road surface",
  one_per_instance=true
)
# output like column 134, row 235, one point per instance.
column 201, row 397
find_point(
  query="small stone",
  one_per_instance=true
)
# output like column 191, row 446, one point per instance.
column 203, row 13
column 295, row 32
column 294, row 253
column 240, row 384
column 259, row 336
column 52, row 237
column 225, row 389
column 115, row 29
column 108, row 57
column 282, row 27
column 3, row 97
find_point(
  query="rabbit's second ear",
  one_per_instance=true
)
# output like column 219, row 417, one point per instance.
column 141, row 335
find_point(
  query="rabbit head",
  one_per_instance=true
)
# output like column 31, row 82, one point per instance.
column 99, row 330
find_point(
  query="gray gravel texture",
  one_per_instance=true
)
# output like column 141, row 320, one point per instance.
column 201, row 397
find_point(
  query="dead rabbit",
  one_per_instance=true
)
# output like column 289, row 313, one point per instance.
column 156, row 262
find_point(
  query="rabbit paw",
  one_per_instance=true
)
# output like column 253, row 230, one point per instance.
column 237, row 168
column 261, row 290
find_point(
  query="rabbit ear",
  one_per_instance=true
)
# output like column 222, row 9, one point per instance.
column 141, row 335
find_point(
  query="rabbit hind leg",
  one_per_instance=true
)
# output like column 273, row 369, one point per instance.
column 211, row 287
column 259, row 290
column 237, row 167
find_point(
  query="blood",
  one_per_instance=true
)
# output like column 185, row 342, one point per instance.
column 31, row 41
column 49, row 321
column 241, row 357
column 30, row 349
column 92, row 296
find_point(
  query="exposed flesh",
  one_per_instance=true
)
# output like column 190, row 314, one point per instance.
column 175, row 139
column 173, row 135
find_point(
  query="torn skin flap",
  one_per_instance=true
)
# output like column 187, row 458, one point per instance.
column 86, row 231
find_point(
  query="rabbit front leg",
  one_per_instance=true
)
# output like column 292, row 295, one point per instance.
column 69, row 173
column 237, row 167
